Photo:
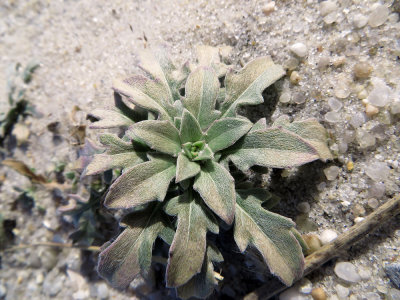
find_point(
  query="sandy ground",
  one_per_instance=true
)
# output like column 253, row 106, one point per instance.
column 82, row 45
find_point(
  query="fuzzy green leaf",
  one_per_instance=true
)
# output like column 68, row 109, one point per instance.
column 185, row 168
column 158, row 135
column 225, row 132
column 204, row 154
column 246, row 86
column 216, row 186
column 202, row 89
column 259, row 125
column 311, row 131
column 190, row 130
column 202, row 284
column 143, row 183
column 119, row 154
column 272, row 235
column 273, row 147
column 145, row 93
column 131, row 252
column 186, row 254
column 109, row 119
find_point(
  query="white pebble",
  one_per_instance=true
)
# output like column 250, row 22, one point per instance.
column 379, row 96
column 364, row 273
column 358, row 119
column 303, row 207
column 347, row 272
column 285, row 97
column 373, row 203
column 365, row 139
column 323, row 62
column 331, row 18
column 299, row 49
column 331, row 172
column 335, row 104
column 269, row 8
column 359, row 219
column 292, row 294
column 376, row 190
column 333, row 117
column 377, row 171
column 359, row 21
column 327, row 236
column 326, row 7
column 372, row 296
column 395, row 108
column 305, row 286
column 342, row 291
column 378, row 16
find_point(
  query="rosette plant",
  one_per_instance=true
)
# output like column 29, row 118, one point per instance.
column 181, row 138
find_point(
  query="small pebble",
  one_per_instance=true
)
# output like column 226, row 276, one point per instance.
column 393, row 272
column 364, row 273
column 371, row 110
column 350, row 166
column 3, row 291
column 395, row 108
column 357, row 120
column 303, row 207
column 331, row 18
column 102, row 291
column 21, row 133
column 335, row 104
column 379, row 95
column 342, row 291
column 339, row 61
column 327, row 7
column 327, row 236
column 331, row 172
column 372, row 296
column 362, row 70
column 378, row 16
column 358, row 219
column 269, row 8
column 285, row 97
column 359, row 21
column 373, row 203
column 305, row 286
column 295, row 77
column 347, row 272
column 323, row 62
column 292, row 294
column 299, row 98
column 318, row 294
column 365, row 139
column 312, row 242
column 299, row 49
column 377, row 171
column 333, row 117
column 363, row 94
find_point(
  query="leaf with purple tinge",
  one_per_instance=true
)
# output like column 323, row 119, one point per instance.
column 186, row 254
column 130, row 254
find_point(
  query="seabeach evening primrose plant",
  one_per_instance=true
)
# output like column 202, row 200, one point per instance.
column 182, row 136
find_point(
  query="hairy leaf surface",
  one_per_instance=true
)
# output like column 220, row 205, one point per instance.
column 142, row 183
column 246, row 86
column 159, row 135
column 273, row 147
column 186, row 254
column 202, row 284
column 216, row 186
column 119, row 154
column 272, row 235
column 225, row 132
column 131, row 252
column 202, row 89
column 190, row 130
column 311, row 131
column 185, row 168
column 109, row 118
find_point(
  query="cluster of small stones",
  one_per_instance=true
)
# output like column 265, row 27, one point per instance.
column 341, row 59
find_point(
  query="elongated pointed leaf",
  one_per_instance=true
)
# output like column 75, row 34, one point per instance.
column 131, row 252
column 143, row 183
column 273, row 147
column 216, row 186
column 190, row 130
column 145, row 93
column 185, row 168
column 159, row 135
column 272, row 235
column 202, row 284
column 246, row 86
column 259, row 125
column 225, row 132
column 109, row 119
column 186, row 254
column 205, row 154
column 311, row 131
column 119, row 154
column 202, row 89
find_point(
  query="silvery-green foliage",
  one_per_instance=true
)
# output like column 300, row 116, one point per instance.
column 175, row 154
